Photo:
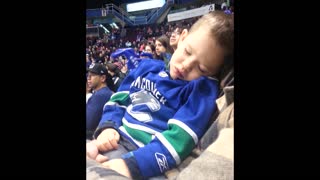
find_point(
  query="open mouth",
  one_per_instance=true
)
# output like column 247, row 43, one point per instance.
column 179, row 74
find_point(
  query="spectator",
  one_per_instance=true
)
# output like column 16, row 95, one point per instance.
column 92, row 59
column 128, row 44
column 163, row 49
column 175, row 36
column 88, row 62
column 116, row 74
column 98, row 80
column 150, row 49
column 143, row 45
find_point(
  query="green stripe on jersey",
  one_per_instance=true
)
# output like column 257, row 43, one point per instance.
column 181, row 140
column 122, row 98
column 139, row 135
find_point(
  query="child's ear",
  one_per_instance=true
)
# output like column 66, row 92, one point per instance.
column 183, row 34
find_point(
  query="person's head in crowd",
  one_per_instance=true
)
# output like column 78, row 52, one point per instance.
column 143, row 45
column 95, row 48
column 175, row 36
column 136, row 50
column 122, row 60
column 116, row 74
column 118, row 64
column 122, row 64
column 106, row 58
column 112, row 59
column 112, row 69
column 87, row 58
column 202, row 50
column 151, row 49
column 92, row 59
column 124, row 69
column 162, row 46
column 98, row 77
column 90, row 53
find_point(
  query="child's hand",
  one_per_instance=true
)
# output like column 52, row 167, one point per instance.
column 107, row 140
column 118, row 165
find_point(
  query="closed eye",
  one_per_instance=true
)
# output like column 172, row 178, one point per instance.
column 202, row 70
column 186, row 52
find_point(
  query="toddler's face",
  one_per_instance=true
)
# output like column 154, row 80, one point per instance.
column 197, row 55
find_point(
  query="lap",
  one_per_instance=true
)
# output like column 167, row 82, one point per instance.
column 96, row 171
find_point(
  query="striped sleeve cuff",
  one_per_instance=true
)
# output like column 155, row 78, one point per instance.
column 107, row 124
column 132, row 164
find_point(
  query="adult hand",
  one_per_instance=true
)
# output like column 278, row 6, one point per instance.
column 118, row 165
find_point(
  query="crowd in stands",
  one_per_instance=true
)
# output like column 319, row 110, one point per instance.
column 135, row 37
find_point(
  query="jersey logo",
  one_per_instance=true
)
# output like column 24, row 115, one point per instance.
column 162, row 162
column 143, row 103
column 144, row 97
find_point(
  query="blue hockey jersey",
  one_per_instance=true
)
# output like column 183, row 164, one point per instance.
column 165, row 118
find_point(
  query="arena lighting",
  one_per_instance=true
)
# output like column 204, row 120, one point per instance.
column 144, row 5
column 115, row 25
column 105, row 29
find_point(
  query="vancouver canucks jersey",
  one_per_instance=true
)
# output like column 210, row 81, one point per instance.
column 162, row 116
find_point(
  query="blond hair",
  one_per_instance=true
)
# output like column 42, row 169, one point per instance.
column 220, row 26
